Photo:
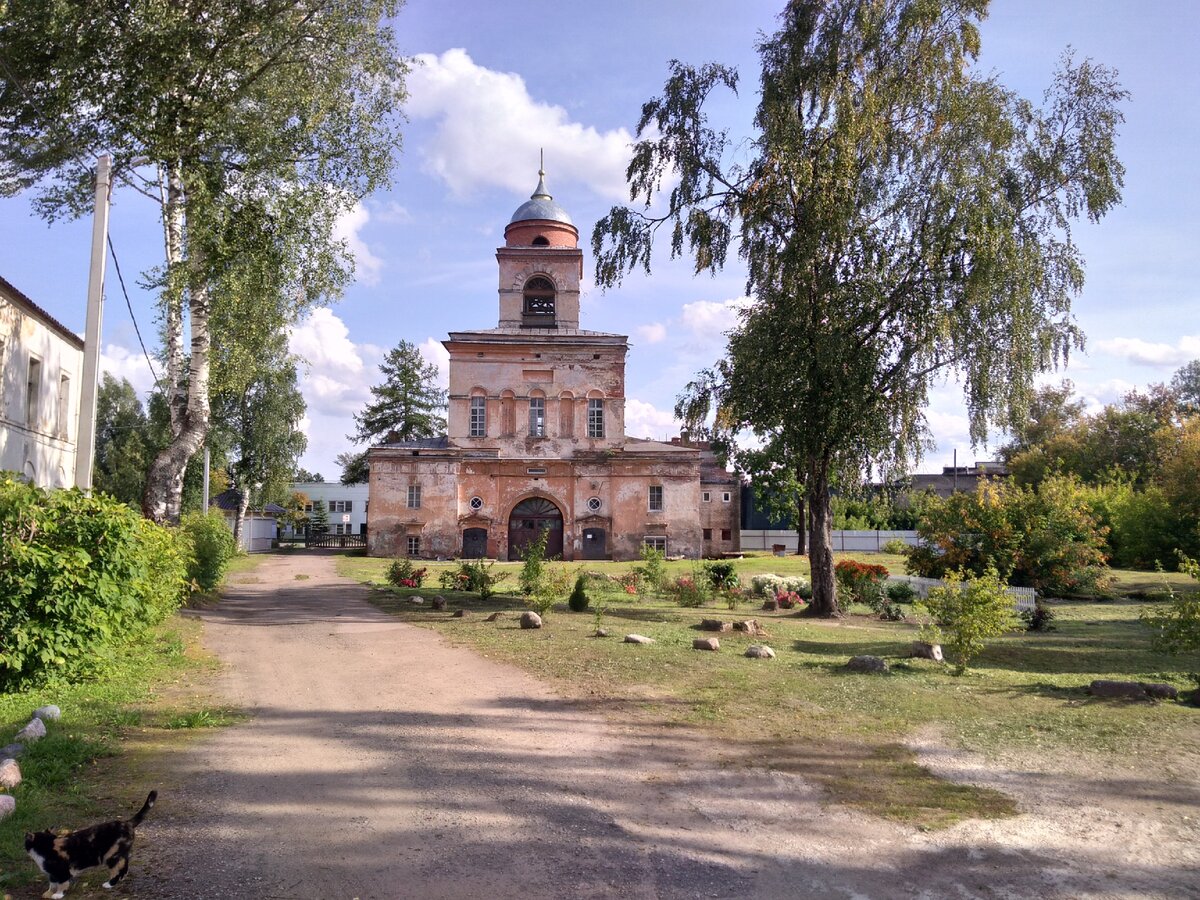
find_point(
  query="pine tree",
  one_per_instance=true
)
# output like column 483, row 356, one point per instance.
column 408, row 405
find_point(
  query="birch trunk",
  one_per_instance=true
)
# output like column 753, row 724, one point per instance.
column 824, row 598
column 240, row 519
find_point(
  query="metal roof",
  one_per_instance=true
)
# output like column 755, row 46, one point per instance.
column 541, row 205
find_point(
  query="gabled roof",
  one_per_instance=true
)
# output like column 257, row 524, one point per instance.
column 21, row 300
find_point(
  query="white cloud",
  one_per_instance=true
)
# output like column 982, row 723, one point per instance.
column 1145, row 353
column 647, row 421
column 712, row 317
column 432, row 351
column 367, row 265
column 489, row 131
column 652, row 333
column 121, row 363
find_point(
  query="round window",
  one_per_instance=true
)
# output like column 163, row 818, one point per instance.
column 476, row 503
column 594, row 504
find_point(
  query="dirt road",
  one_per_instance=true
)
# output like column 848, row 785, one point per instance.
column 380, row 762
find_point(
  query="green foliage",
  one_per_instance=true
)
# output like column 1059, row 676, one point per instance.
column 122, row 441
column 860, row 582
column 553, row 585
column 969, row 611
column 78, row 576
column 533, row 567
column 402, row 573
column 722, row 575
column 1040, row 618
column 653, row 570
column 354, row 467
column 896, row 546
column 1176, row 626
column 690, row 591
column 319, row 517
column 578, row 601
column 212, row 547
column 1045, row 537
column 901, row 592
column 472, row 575
column 408, row 405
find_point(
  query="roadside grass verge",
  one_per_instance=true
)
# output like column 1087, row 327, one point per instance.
column 98, row 762
column 804, row 712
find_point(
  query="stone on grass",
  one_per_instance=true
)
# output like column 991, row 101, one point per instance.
column 8, row 803
column 494, row 616
column 48, row 713
column 770, row 605
column 706, row 644
column 1160, row 691
column 601, row 632
column 760, row 651
column 750, row 626
column 35, row 730
column 10, row 774
column 867, row 664
column 638, row 639
column 438, row 602
column 926, row 650
column 530, row 620
column 459, row 614
column 416, row 601
column 715, row 625
column 11, row 751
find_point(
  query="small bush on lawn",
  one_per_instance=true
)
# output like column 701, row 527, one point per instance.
column 721, row 575
column 533, row 571
column 212, row 547
column 862, row 582
column 901, row 592
column 896, row 547
column 1176, row 627
column 78, row 575
column 770, row 585
column 578, row 601
column 472, row 575
column 402, row 573
column 968, row 612
column 1039, row 618
column 653, row 570
column 690, row 591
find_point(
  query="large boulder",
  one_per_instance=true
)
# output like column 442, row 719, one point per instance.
column 760, row 651
column 751, row 627
column 438, row 602
column 715, row 625
column 48, row 713
column 867, row 664
column 706, row 644
column 34, row 731
column 530, row 619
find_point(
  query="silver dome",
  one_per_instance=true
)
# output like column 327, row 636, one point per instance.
column 541, row 206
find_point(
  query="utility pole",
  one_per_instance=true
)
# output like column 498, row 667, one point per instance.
column 85, row 445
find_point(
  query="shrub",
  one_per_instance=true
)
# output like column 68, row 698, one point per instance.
column 212, row 547
column 578, row 601
column 901, row 592
column 402, row 573
column 690, row 591
column 653, row 569
column 472, row 575
column 788, row 599
column 549, row 589
column 896, row 547
column 891, row 612
column 1047, row 538
column 861, row 581
column 78, row 575
column 770, row 585
column 533, row 571
column 721, row 575
column 630, row 582
column 1039, row 618
column 1176, row 626
column 970, row 610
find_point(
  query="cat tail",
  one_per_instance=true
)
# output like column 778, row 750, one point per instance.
column 146, row 807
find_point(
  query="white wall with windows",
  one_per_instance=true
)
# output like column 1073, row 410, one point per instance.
column 345, row 503
column 41, row 365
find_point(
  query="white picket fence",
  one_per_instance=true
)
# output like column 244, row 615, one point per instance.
column 1026, row 597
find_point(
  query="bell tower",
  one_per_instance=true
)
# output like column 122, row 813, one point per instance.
column 540, row 266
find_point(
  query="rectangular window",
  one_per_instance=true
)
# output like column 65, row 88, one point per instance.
column 478, row 417
column 308, row 507
column 656, row 542
column 596, row 418
column 726, row 534
column 414, row 496
column 705, row 496
column 64, row 404
column 725, row 497
column 537, row 416
column 33, row 386
column 341, row 506
column 656, row 498
column 708, row 534
column 414, row 545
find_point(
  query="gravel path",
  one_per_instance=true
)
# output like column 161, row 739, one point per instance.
column 380, row 762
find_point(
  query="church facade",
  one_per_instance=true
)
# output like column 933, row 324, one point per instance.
column 536, row 435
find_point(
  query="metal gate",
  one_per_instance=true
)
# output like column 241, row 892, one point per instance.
column 529, row 519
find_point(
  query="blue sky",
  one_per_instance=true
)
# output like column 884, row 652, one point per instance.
column 496, row 82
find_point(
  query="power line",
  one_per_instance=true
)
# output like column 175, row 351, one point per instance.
column 117, row 266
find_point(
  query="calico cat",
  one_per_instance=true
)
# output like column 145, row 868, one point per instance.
column 63, row 857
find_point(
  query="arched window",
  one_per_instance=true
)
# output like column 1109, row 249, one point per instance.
column 538, row 308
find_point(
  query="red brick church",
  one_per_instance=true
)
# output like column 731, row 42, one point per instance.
column 536, row 434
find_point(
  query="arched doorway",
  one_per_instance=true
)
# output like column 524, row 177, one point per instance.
column 530, row 518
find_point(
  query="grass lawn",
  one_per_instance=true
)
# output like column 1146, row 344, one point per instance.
column 99, row 761
column 803, row 711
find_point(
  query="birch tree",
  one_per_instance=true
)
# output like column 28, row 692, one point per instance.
column 262, row 122
column 901, row 217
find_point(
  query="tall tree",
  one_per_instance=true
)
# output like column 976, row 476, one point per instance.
column 122, row 441
column 262, row 419
column 900, row 217
column 408, row 404
column 1186, row 385
column 303, row 476
column 355, row 469
column 265, row 121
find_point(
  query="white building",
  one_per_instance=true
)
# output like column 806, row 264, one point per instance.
column 346, row 504
column 41, row 366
